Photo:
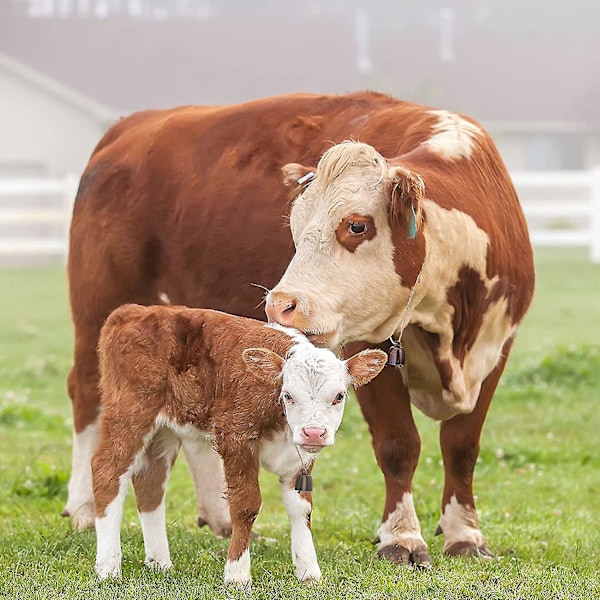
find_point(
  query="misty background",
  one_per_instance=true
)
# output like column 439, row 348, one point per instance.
column 528, row 70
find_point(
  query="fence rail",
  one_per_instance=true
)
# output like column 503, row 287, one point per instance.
column 562, row 209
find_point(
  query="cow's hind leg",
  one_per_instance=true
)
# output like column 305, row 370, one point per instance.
column 206, row 469
column 83, row 390
column 459, row 440
column 149, row 483
column 386, row 407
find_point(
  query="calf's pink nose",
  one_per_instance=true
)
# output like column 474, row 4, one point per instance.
column 281, row 308
column 314, row 436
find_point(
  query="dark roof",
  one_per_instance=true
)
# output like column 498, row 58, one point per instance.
column 127, row 64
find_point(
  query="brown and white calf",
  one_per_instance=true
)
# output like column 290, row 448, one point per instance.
column 262, row 394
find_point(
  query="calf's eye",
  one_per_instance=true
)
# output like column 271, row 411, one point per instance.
column 339, row 398
column 286, row 397
column 357, row 228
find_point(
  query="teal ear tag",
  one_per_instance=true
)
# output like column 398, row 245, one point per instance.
column 412, row 223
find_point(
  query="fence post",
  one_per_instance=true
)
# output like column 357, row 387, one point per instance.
column 595, row 216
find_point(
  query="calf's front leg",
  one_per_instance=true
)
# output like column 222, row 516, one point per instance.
column 241, row 474
column 299, row 508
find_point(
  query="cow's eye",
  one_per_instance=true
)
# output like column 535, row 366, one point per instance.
column 339, row 398
column 287, row 397
column 357, row 228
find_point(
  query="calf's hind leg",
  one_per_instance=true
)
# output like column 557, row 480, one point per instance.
column 149, row 483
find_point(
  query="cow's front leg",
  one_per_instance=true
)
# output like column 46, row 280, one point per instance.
column 299, row 507
column 385, row 405
column 459, row 440
column 206, row 469
column 241, row 474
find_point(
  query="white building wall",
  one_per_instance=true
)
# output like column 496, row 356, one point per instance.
column 39, row 127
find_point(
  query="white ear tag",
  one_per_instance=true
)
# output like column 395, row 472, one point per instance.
column 306, row 178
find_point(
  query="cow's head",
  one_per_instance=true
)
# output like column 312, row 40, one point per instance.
column 342, row 284
column 313, row 383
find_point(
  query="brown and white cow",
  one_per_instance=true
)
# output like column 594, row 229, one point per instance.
column 187, row 206
column 261, row 394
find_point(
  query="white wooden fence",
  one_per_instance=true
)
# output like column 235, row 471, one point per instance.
column 562, row 209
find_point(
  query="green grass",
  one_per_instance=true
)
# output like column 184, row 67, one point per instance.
column 537, row 481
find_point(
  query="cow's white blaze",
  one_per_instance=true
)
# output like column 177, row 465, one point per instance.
column 454, row 137
column 460, row 524
column 364, row 285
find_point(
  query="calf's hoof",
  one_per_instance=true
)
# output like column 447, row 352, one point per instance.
column 400, row 555
column 108, row 571
column 82, row 518
column 158, row 565
column 469, row 550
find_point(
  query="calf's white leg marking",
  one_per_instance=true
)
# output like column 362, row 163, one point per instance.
column 154, row 530
column 238, row 571
column 304, row 556
column 108, row 533
column 80, row 501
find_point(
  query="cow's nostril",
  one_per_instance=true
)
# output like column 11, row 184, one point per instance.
column 289, row 308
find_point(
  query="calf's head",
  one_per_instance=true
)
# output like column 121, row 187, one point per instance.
column 342, row 284
column 314, row 385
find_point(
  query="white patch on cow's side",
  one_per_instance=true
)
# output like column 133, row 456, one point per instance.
column 460, row 524
column 164, row 298
column 80, row 502
column 206, row 469
column 237, row 571
column 448, row 230
column 304, row 555
column 454, row 137
column 154, row 531
column 402, row 527
column 108, row 533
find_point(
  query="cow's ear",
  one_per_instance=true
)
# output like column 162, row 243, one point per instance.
column 295, row 174
column 407, row 191
column 263, row 364
column 366, row 365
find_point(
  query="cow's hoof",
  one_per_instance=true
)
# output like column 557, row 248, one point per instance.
column 83, row 518
column 401, row 555
column 469, row 550
column 219, row 530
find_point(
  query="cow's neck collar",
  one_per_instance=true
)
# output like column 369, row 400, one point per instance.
column 396, row 357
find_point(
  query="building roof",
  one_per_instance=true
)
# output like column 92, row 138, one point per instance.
column 128, row 64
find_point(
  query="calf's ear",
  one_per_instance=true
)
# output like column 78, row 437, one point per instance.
column 263, row 364
column 293, row 174
column 365, row 365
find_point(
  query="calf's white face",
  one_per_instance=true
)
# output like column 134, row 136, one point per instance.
column 314, row 385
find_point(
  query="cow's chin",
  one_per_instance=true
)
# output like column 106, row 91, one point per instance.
column 329, row 339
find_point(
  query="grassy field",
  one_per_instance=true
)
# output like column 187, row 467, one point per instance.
column 537, row 481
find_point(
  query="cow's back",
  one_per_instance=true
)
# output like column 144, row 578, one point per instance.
column 187, row 206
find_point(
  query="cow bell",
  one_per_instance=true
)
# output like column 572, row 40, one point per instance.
column 304, row 482
column 395, row 355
